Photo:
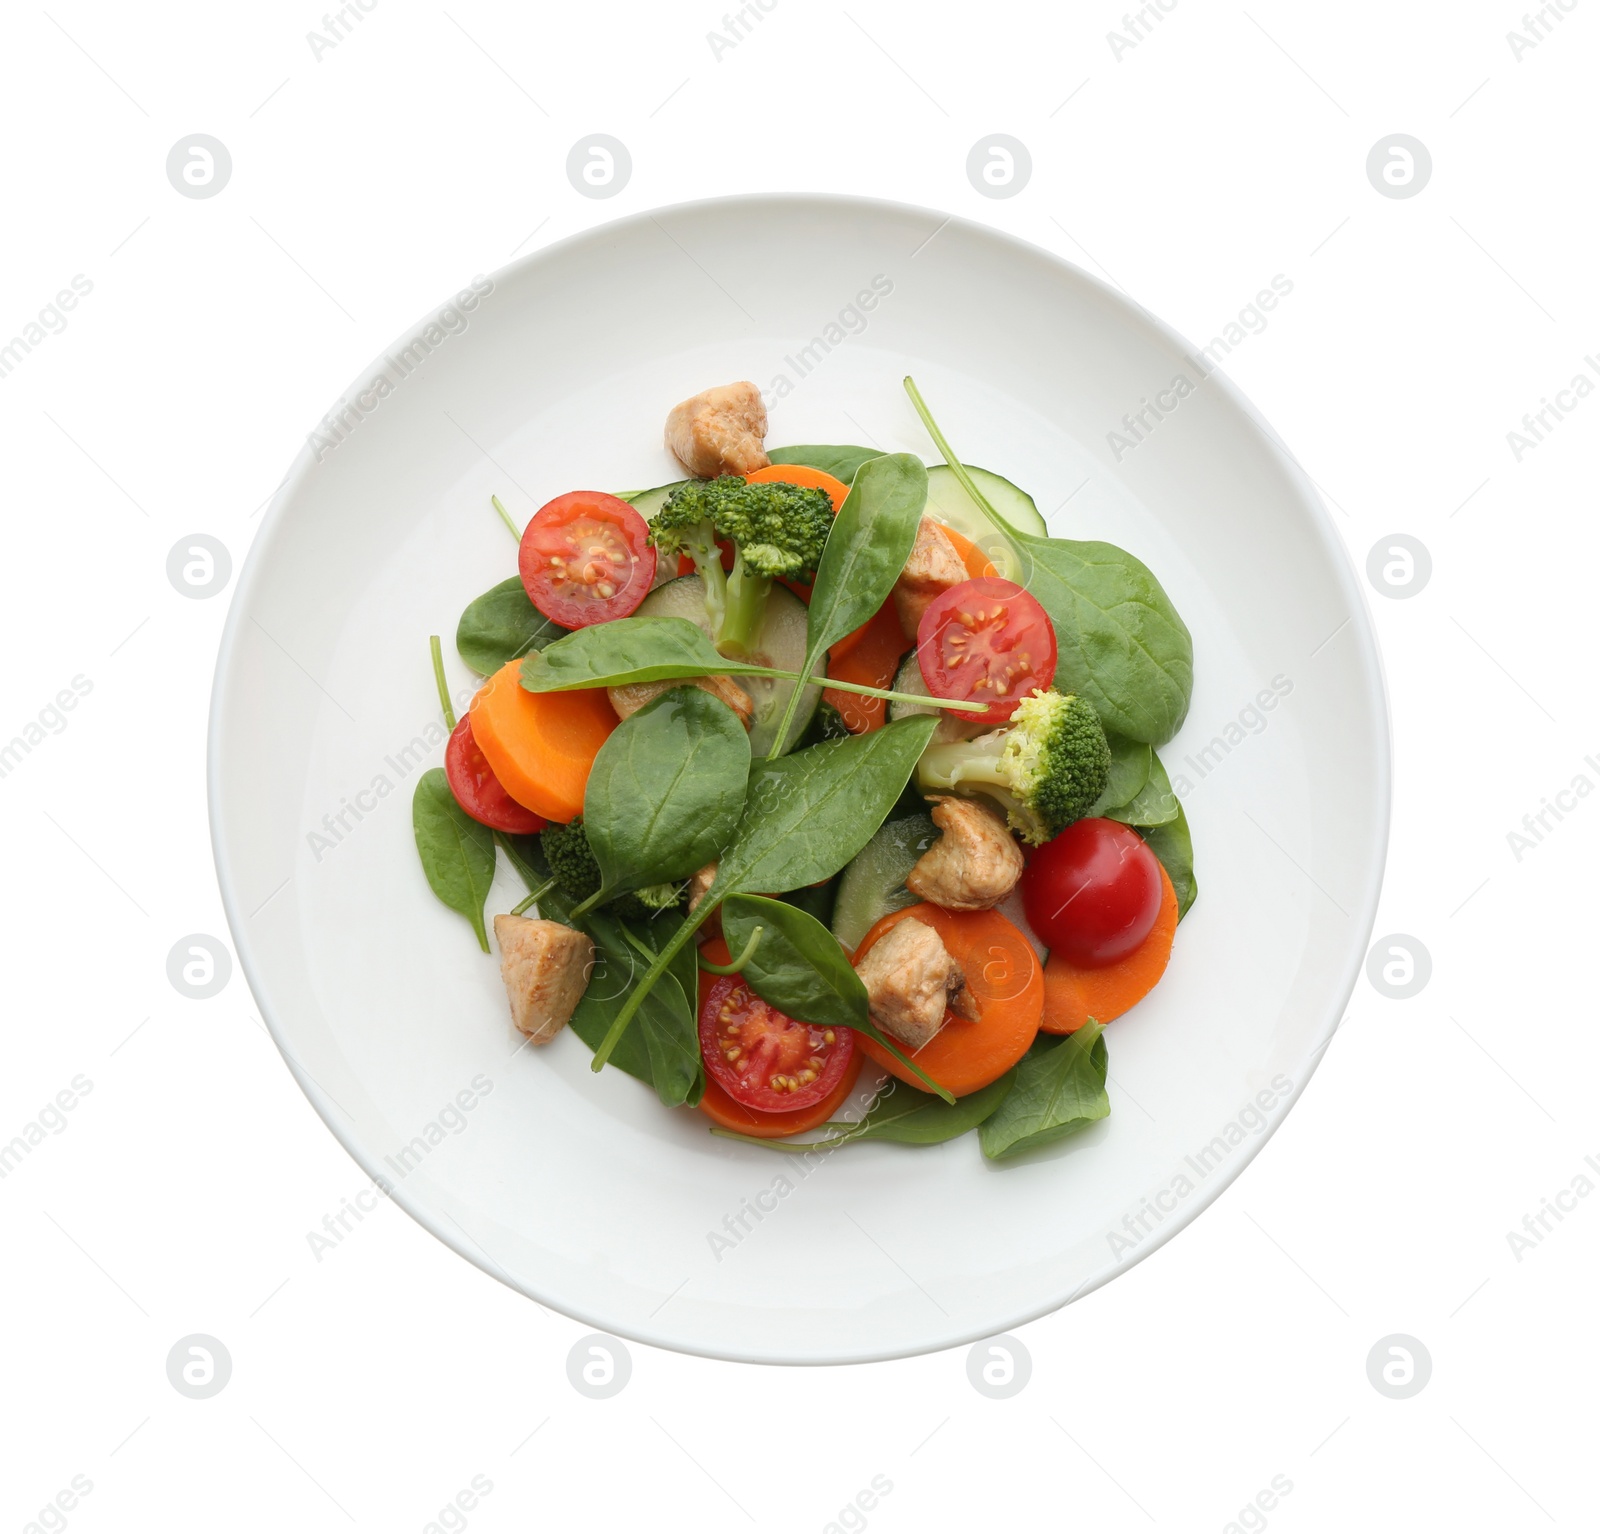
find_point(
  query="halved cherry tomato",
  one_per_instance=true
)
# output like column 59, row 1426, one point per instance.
column 478, row 791
column 763, row 1059
column 1093, row 893
column 986, row 641
column 586, row 558
column 1003, row 973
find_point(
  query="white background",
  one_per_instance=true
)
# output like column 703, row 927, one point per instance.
column 370, row 1387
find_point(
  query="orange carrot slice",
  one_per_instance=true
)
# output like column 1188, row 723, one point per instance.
column 799, row 474
column 541, row 745
column 1073, row 995
column 871, row 661
column 977, row 562
column 1003, row 972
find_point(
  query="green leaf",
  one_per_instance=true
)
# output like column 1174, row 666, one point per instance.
column 867, row 548
column 909, row 1117
column 630, row 650
column 1119, row 641
column 1154, row 805
column 1058, row 1090
column 457, row 851
column 798, row 965
column 800, row 968
column 1174, row 846
column 1130, row 771
column 501, row 625
column 841, row 462
column 663, row 1051
column 807, row 814
column 666, row 790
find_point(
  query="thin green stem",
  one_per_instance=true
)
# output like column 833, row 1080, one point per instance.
column 954, row 464
column 534, row 897
column 439, row 681
column 780, row 745
column 505, row 516
column 619, row 1025
column 739, row 963
column 583, row 907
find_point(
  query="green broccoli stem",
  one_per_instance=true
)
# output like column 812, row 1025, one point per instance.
column 619, row 1024
column 744, row 606
column 960, row 761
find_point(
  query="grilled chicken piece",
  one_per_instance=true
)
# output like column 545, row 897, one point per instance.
column 912, row 981
column 545, row 967
column 632, row 697
column 934, row 567
column 720, row 431
column 974, row 865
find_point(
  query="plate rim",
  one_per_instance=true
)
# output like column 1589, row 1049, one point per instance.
column 1366, row 907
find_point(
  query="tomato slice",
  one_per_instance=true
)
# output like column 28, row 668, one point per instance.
column 478, row 791
column 986, row 641
column 1093, row 893
column 586, row 558
column 763, row 1059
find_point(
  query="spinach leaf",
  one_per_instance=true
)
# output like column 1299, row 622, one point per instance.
column 1130, row 771
column 1119, row 641
column 841, row 462
column 457, row 851
column 501, row 625
column 630, row 650
column 798, row 965
column 800, row 968
column 909, row 1117
column 1154, row 805
column 867, row 548
column 666, row 791
column 1058, row 1090
column 1174, row 846
column 664, row 1050
column 805, row 816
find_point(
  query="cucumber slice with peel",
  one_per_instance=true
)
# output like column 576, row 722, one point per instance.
column 874, row 881
column 949, row 503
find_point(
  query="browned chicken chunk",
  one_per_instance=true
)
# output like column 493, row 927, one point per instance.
column 720, row 431
column 974, row 865
column 632, row 697
column 545, row 967
column 912, row 981
column 934, row 567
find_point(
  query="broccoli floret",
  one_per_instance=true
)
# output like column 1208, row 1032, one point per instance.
column 1046, row 768
column 577, row 875
column 776, row 529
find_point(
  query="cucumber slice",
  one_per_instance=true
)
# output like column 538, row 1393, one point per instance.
column 949, row 503
column 780, row 642
column 874, row 881
column 909, row 678
column 648, row 502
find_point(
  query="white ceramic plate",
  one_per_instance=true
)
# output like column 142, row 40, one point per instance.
column 580, row 1190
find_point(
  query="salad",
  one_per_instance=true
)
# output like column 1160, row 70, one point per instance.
column 821, row 762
